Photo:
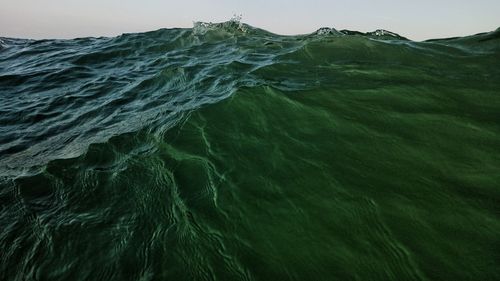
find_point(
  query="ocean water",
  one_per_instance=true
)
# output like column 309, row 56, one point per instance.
column 225, row 152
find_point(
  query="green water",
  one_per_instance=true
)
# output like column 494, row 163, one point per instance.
column 318, row 157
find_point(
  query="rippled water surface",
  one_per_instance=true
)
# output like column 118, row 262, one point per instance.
column 225, row 152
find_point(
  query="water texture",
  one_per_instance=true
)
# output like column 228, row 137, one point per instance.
column 225, row 152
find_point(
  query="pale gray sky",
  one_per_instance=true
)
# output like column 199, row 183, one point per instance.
column 416, row 19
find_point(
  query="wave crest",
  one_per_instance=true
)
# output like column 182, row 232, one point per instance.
column 234, row 25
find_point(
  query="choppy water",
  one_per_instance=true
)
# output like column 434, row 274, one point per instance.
column 225, row 152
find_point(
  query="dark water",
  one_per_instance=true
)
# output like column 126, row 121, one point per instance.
column 225, row 152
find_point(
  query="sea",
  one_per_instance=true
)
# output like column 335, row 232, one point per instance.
column 227, row 152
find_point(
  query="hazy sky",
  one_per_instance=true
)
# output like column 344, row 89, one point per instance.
column 416, row 19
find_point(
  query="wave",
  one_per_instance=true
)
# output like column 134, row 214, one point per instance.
column 59, row 96
column 227, row 152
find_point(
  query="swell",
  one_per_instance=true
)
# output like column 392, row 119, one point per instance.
column 225, row 152
column 59, row 96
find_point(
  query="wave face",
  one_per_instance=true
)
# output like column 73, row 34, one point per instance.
column 225, row 152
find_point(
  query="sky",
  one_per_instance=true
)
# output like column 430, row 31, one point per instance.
column 416, row 19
